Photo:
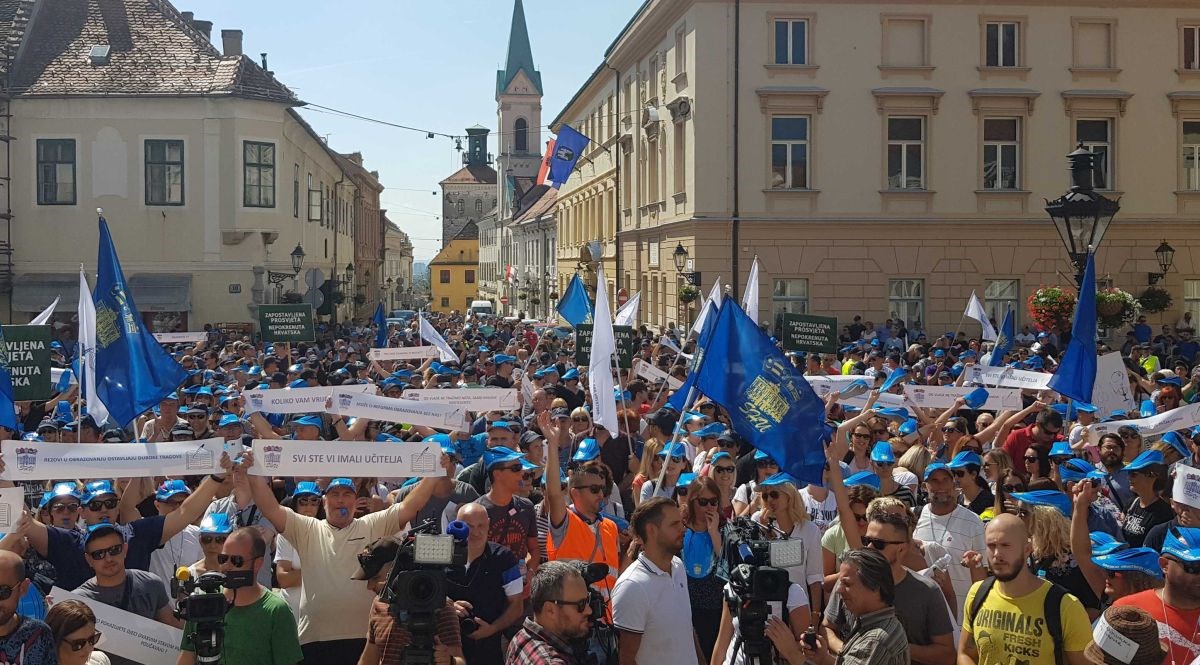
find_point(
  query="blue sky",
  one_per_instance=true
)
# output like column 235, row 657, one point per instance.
column 430, row 65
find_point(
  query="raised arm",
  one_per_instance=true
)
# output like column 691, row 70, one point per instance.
column 556, row 503
column 1081, row 541
column 193, row 507
column 264, row 498
column 262, row 428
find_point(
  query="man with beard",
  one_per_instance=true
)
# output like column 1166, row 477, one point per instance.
column 1176, row 606
column 559, row 598
column 1112, row 462
column 1016, row 621
column 951, row 525
column 22, row 639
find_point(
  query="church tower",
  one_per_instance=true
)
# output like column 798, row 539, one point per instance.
column 519, row 114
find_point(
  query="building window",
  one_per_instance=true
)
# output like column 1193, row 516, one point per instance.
column 1001, row 153
column 314, row 200
column 460, row 206
column 56, row 172
column 1191, row 47
column 258, row 188
column 680, row 50
column 296, row 191
column 478, row 205
column 906, row 153
column 626, row 178
column 789, row 152
column 680, row 171
column 443, row 276
column 470, row 279
column 1096, row 136
column 445, row 302
column 652, row 74
column 1001, row 44
column 164, row 172
column 521, row 135
column 905, row 41
column 1093, row 42
column 790, row 296
column 791, row 41
column 999, row 296
column 906, row 301
column 1191, row 155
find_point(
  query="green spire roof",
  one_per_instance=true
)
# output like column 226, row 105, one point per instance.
column 520, row 56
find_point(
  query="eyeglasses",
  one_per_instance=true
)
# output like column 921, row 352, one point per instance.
column 675, row 459
column 308, row 500
column 103, row 504
column 99, row 555
column 706, row 503
column 860, row 517
column 885, row 464
column 594, row 489
column 60, row 508
column 209, row 540
column 723, row 469
column 79, row 644
column 579, row 605
column 579, row 420
column 1013, row 488
column 880, row 543
column 514, row 468
column 236, row 559
column 949, row 430
column 771, row 495
column 1032, row 459
column 857, row 435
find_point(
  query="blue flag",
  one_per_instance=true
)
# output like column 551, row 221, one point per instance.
column 768, row 401
column 8, row 412
column 133, row 373
column 1004, row 341
column 575, row 307
column 567, row 147
column 679, row 397
column 1076, row 374
column 381, row 327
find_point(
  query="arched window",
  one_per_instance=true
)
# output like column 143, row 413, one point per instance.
column 521, row 131
column 460, row 207
column 478, row 205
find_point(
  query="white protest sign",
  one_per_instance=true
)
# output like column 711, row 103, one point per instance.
column 1111, row 390
column 471, row 399
column 1113, row 643
column 942, row 397
column 12, row 504
column 649, row 371
column 126, row 634
column 1007, row 377
column 1187, row 485
column 56, row 376
column 38, row 460
column 345, row 458
column 823, row 385
column 885, row 400
column 295, row 400
column 179, row 337
column 392, row 410
column 403, row 353
column 1185, row 417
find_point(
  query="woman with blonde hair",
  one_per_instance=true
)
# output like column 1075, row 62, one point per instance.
column 701, row 555
column 996, row 464
column 783, row 511
column 648, row 468
column 915, row 459
column 1045, row 515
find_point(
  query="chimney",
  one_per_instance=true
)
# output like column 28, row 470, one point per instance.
column 231, row 41
column 264, row 63
column 203, row 27
column 187, row 16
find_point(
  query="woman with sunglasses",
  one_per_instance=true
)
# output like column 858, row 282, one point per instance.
column 723, row 471
column 581, row 426
column 1148, row 479
column 785, row 517
column 305, row 500
column 675, row 457
column 74, row 627
column 1008, row 483
column 701, row 556
column 996, row 463
column 648, row 468
column 745, row 497
column 1036, row 464
column 1134, row 443
column 214, row 529
column 1110, row 575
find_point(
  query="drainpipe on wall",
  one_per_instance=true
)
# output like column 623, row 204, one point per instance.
column 737, row 153
column 617, row 192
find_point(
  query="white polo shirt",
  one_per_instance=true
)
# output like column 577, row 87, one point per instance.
column 654, row 604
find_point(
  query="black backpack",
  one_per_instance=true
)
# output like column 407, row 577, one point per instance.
column 1052, row 610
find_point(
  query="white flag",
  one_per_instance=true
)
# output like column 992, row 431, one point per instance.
column 627, row 315
column 431, row 335
column 975, row 311
column 41, row 319
column 750, row 298
column 604, row 345
column 711, row 303
column 87, row 350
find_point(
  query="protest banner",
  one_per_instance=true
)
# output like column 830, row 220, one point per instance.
column 286, row 323
column 12, row 505
column 295, row 400
column 1187, row 485
column 624, row 336
column 351, row 459
column 884, row 400
column 823, row 385
column 141, row 640
column 392, row 410
column 805, row 332
column 1185, row 417
column 1111, row 390
column 1007, row 377
column 56, row 375
column 38, row 460
column 471, row 399
column 651, row 372
column 403, row 353
column 28, row 352
column 180, row 337
column 943, row 397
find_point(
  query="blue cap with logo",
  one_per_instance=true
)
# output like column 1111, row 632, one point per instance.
column 673, row 450
column 340, row 482
column 882, row 453
column 97, row 489
column 588, row 450
column 908, row 427
column 306, row 488
column 1136, row 559
column 216, row 523
column 1182, row 543
column 1146, row 459
column 103, row 529
column 1176, row 442
column 170, row 489
column 936, row 466
column 863, row 478
column 1053, row 498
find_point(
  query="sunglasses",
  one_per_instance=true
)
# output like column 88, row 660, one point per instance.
column 880, row 543
column 766, row 465
column 723, row 469
column 856, row 435
column 885, row 464
column 1013, row 488
column 594, row 489
column 675, row 459
column 579, row 420
column 706, row 503
column 308, row 501
column 1031, row 460
column 515, row 468
column 1052, row 432
column 79, row 644
column 209, row 540
column 579, row 605
column 99, row 555
column 236, row 559
column 103, row 504
column 197, row 416
column 60, row 508
column 771, row 494
column 950, row 430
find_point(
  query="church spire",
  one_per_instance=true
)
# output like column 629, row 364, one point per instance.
column 520, row 56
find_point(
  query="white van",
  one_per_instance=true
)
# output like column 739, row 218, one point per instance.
column 482, row 308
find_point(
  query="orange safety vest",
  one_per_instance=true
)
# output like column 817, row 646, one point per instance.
column 590, row 543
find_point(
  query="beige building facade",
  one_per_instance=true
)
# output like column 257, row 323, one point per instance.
column 886, row 159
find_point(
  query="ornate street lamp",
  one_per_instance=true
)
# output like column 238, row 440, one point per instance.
column 1081, row 216
column 680, row 257
column 297, row 259
column 1166, row 258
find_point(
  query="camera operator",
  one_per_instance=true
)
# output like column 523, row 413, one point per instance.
column 559, row 598
column 259, row 628
column 488, row 592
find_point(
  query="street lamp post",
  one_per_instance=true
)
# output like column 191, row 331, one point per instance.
column 1166, row 258
column 297, row 264
column 1081, row 216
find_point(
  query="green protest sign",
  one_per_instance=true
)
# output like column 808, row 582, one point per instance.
column 624, row 336
column 286, row 323
column 804, row 332
column 27, row 349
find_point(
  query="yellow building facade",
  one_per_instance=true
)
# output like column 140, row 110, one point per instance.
column 453, row 273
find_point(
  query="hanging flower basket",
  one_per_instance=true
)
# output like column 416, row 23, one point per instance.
column 688, row 294
column 522, row 296
column 1154, row 300
column 1115, row 308
column 1051, row 307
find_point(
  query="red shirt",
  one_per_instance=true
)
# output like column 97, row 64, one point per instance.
column 1019, row 440
column 1178, row 629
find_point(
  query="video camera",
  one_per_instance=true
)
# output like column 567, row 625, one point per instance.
column 600, row 646
column 758, row 577
column 205, row 608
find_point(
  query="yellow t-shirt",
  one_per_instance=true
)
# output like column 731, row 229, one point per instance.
column 1013, row 631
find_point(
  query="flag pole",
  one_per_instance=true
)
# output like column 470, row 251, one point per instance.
column 687, row 406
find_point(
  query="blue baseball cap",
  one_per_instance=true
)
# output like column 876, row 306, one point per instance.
column 1035, row 362
column 103, row 529
column 229, row 419
column 307, row 421
column 711, row 430
column 1145, row 459
column 216, row 523
column 501, row 424
column 719, row 456
column 674, row 450
column 1169, row 381
column 882, row 453
column 298, row 383
column 1147, row 408
column 571, row 375
column 340, row 482
column 937, row 466
column 1173, row 439
column 1053, row 498
column 964, row 459
column 1083, row 407
column 171, row 488
column 781, row 478
column 685, row 479
column 1137, row 559
column 1182, row 543
column 97, row 489
column 897, row 375
column 306, row 487
column 499, row 455
column 1061, row 449
column 500, row 359
column 908, row 427
column 759, row 456
column 588, row 450
column 863, row 478
column 1103, row 543
column 854, row 388
column 59, row 490
column 897, row 413
column 1074, row 470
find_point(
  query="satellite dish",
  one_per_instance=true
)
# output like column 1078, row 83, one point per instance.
column 314, row 278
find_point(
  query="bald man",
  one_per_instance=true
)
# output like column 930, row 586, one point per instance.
column 22, row 639
column 1010, row 620
column 491, row 589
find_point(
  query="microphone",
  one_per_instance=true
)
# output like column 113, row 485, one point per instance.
column 458, row 529
column 183, row 574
